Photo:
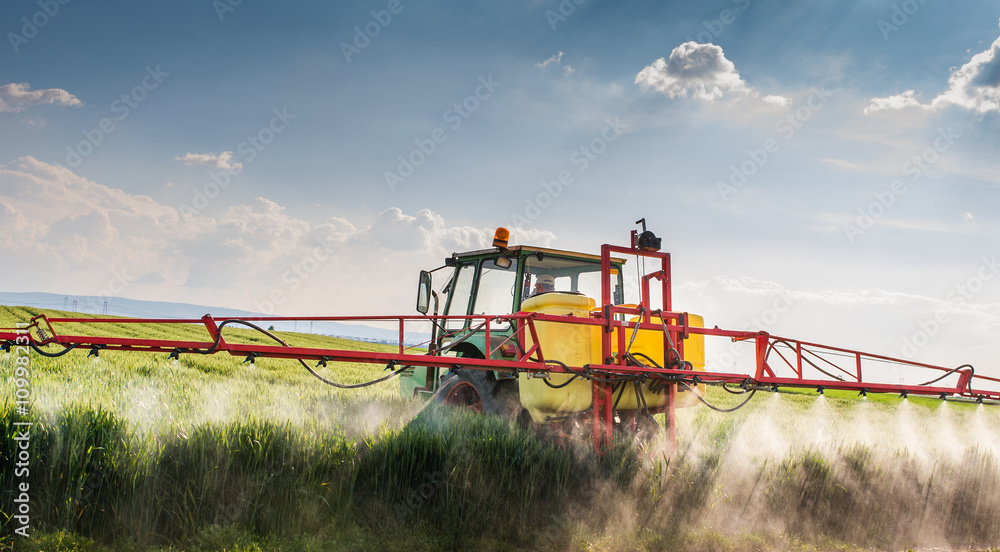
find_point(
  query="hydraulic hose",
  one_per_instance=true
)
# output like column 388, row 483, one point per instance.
column 39, row 350
column 742, row 391
column 804, row 359
column 218, row 339
column 950, row 372
column 561, row 385
column 352, row 385
column 715, row 408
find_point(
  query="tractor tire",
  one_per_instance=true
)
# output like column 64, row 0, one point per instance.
column 475, row 390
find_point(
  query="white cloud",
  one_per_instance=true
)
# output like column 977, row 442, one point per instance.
column 701, row 70
column 898, row 101
column 975, row 86
column 46, row 193
column 71, row 221
column 15, row 227
column 428, row 232
column 69, row 234
column 17, row 97
column 777, row 101
column 218, row 160
column 553, row 60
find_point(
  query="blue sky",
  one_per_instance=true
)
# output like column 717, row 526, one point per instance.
column 759, row 148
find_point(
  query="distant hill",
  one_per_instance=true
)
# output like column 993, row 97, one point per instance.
column 119, row 306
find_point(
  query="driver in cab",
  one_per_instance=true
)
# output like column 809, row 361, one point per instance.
column 544, row 283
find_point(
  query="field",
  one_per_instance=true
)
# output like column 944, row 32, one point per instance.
column 133, row 451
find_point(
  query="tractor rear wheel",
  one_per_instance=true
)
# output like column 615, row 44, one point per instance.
column 475, row 390
column 462, row 394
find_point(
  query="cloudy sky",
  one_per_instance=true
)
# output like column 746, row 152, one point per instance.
column 824, row 170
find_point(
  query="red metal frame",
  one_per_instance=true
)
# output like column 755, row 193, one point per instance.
column 778, row 361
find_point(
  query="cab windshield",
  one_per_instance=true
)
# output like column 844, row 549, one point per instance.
column 552, row 273
column 498, row 287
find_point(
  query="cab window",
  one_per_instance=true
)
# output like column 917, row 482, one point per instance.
column 496, row 289
column 458, row 298
column 552, row 273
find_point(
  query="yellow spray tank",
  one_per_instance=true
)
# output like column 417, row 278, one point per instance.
column 579, row 344
column 650, row 344
column 571, row 344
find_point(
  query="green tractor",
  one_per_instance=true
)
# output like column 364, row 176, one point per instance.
column 493, row 282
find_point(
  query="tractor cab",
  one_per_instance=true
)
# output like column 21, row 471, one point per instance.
column 496, row 282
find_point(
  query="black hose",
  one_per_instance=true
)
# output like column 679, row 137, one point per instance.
column 631, row 356
column 570, row 369
column 715, row 408
column 565, row 383
column 803, row 357
column 950, row 372
column 606, row 377
column 620, row 393
column 670, row 352
column 561, row 385
column 38, row 350
column 740, row 392
column 218, row 339
column 352, row 385
column 696, row 394
column 642, row 398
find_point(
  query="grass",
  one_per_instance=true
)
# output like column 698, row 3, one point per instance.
column 170, row 396
column 134, row 452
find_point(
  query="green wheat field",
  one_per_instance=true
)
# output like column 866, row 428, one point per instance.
column 135, row 452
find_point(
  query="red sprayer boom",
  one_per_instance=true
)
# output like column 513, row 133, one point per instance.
column 525, row 345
